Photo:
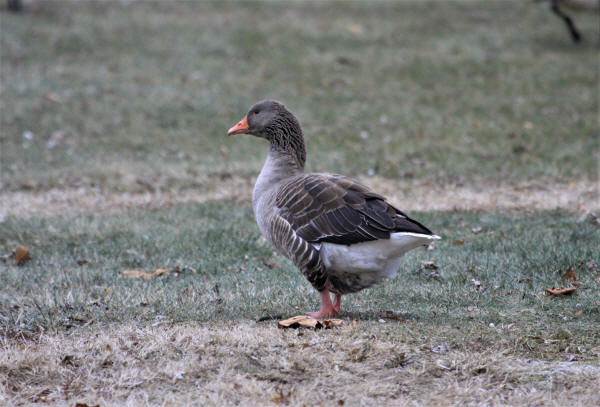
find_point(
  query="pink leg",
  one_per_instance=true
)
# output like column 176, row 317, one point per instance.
column 327, row 309
column 337, row 303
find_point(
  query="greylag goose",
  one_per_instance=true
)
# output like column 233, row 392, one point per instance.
column 341, row 235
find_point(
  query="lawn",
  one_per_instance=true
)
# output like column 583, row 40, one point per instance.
column 478, row 118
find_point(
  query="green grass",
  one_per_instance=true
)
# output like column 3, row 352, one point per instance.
column 489, row 91
column 225, row 274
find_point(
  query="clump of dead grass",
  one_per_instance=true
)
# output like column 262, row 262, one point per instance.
column 251, row 363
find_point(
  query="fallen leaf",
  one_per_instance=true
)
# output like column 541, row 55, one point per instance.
column 333, row 323
column 477, row 229
column 160, row 271
column 578, row 313
column 458, row 242
column 144, row 274
column 561, row 291
column 395, row 318
column 571, row 277
column 52, row 97
column 428, row 265
column 355, row 28
column 304, row 345
column 81, row 262
column 22, row 255
column 300, row 321
column 86, row 405
column 138, row 274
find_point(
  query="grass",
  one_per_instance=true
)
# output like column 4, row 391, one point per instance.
column 228, row 272
column 440, row 91
column 86, row 327
column 109, row 106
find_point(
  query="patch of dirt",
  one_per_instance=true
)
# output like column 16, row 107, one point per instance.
column 246, row 363
column 575, row 197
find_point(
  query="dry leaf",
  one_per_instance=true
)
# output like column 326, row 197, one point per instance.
column 86, row 405
column 561, row 291
column 570, row 277
column 300, row 321
column 145, row 274
column 333, row 323
column 355, row 28
column 138, row 274
column 22, row 255
column 458, row 242
column 160, row 271
column 52, row 97
column 395, row 318
column 578, row 313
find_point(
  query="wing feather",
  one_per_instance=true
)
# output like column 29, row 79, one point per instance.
column 336, row 209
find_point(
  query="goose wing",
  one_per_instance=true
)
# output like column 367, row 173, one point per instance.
column 336, row 209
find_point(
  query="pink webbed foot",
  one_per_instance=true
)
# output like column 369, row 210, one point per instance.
column 327, row 308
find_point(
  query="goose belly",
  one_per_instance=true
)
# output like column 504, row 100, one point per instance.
column 358, row 266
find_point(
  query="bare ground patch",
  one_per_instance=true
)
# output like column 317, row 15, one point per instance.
column 577, row 196
column 247, row 363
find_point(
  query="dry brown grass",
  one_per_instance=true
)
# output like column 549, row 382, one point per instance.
column 248, row 363
column 577, row 196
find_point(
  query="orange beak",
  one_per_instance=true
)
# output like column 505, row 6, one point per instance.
column 240, row 128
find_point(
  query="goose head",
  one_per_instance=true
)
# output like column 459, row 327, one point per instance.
column 271, row 120
column 264, row 119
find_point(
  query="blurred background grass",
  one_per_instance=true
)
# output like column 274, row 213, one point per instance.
column 136, row 95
